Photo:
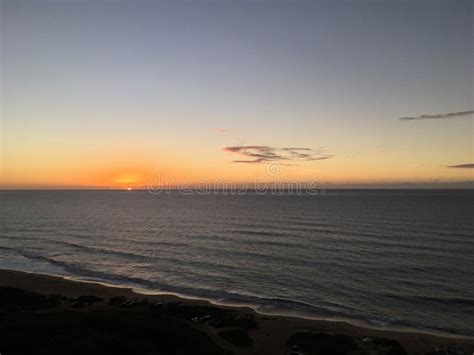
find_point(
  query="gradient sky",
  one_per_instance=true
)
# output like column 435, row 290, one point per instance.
column 110, row 93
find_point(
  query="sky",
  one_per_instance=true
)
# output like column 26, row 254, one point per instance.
column 112, row 94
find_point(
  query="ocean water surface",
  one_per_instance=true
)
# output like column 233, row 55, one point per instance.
column 393, row 258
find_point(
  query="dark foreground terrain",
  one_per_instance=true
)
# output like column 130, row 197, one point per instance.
column 94, row 319
column 35, row 324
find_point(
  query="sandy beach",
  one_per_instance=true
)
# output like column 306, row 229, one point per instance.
column 47, row 314
column 236, row 177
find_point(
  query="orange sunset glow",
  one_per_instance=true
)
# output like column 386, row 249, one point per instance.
column 105, row 123
column 236, row 177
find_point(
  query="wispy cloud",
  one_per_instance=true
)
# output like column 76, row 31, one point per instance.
column 462, row 166
column 254, row 154
column 438, row 116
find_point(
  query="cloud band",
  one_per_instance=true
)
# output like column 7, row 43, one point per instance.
column 438, row 116
column 254, row 154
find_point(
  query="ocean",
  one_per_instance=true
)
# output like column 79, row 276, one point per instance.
column 386, row 258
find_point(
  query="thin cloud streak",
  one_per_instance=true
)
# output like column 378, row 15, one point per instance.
column 254, row 154
column 438, row 116
column 462, row 166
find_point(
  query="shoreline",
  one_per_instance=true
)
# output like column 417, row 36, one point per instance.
column 281, row 327
column 360, row 323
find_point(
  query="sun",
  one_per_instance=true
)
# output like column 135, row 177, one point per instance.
column 129, row 189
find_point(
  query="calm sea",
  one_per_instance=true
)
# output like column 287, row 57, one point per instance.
column 394, row 258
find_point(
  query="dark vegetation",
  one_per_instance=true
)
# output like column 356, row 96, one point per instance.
column 31, row 323
column 237, row 337
column 325, row 344
column 35, row 324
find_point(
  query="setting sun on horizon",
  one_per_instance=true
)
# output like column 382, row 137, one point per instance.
column 222, row 177
column 219, row 96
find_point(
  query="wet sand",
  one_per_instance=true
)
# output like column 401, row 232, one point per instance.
column 52, row 315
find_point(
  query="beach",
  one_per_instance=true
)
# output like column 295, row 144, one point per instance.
column 48, row 314
column 381, row 266
column 236, row 177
